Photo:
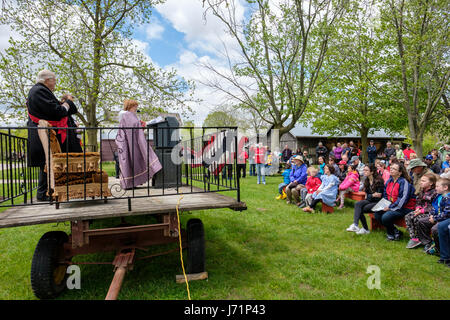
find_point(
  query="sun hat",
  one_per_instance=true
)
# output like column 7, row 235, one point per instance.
column 416, row 163
column 354, row 158
column 298, row 158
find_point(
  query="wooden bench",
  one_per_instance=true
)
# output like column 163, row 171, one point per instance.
column 326, row 208
column 357, row 196
column 375, row 224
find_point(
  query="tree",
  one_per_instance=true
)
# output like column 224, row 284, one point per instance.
column 88, row 44
column 416, row 34
column 349, row 102
column 280, row 54
column 220, row 117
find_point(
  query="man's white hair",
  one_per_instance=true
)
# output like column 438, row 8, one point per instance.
column 44, row 75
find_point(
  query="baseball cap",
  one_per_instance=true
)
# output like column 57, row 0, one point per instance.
column 429, row 157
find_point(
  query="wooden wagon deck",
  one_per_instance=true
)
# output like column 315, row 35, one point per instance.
column 155, row 204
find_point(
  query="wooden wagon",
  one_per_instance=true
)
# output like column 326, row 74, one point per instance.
column 67, row 174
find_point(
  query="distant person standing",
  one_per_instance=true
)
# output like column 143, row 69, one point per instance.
column 321, row 151
column 286, row 154
column 389, row 151
column 399, row 153
column 372, row 152
column 338, row 152
column 260, row 161
column 407, row 152
column 251, row 160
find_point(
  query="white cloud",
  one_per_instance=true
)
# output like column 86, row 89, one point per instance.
column 205, row 40
column 201, row 33
column 154, row 30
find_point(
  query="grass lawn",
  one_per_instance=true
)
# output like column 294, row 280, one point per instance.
column 271, row 251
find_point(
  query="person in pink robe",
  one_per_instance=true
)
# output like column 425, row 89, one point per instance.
column 138, row 162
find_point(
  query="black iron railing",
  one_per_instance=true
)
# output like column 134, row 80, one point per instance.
column 16, row 178
column 193, row 160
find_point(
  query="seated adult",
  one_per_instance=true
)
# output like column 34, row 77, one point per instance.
column 342, row 170
column 400, row 192
column 297, row 179
column 418, row 169
column 327, row 191
column 138, row 162
column 321, row 161
column 382, row 170
column 373, row 187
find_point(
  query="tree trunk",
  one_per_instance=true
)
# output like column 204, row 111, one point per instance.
column 275, row 140
column 364, row 132
column 418, row 144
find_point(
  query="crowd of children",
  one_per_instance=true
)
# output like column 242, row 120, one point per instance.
column 411, row 188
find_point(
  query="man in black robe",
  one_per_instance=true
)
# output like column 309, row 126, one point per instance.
column 42, row 104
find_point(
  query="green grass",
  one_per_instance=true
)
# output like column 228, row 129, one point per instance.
column 270, row 251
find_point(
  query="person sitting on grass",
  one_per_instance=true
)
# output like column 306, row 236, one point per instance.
column 312, row 184
column 400, row 192
column 350, row 184
column 373, row 187
column 424, row 208
column 297, row 179
column 322, row 164
column 327, row 191
column 286, row 173
column 430, row 225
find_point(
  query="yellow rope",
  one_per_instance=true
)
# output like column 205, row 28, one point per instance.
column 181, row 249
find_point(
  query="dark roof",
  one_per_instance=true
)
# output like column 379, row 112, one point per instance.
column 306, row 131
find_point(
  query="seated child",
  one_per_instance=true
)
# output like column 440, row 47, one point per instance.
column 431, row 223
column 350, row 184
column 312, row 184
column 286, row 173
column 424, row 207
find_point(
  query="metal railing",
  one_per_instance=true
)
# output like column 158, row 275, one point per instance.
column 193, row 160
column 17, row 179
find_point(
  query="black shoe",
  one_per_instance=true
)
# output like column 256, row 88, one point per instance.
column 390, row 237
column 398, row 235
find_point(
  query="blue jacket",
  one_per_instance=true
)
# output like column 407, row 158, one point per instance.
column 299, row 174
column 372, row 151
column 286, row 173
column 442, row 207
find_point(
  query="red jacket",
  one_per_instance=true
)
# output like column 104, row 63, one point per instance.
column 400, row 193
column 260, row 155
column 312, row 184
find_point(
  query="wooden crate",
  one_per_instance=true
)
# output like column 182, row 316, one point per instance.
column 75, row 162
column 72, row 175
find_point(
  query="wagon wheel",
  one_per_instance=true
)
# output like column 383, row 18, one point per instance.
column 48, row 275
column 196, row 246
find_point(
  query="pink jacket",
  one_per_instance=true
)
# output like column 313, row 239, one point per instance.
column 350, row 181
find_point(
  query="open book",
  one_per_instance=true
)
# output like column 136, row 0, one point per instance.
column 383, row 203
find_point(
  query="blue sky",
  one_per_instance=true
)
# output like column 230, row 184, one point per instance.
column 165, row 42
